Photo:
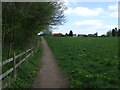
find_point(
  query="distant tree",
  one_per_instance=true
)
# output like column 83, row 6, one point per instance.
column 119, row 32
column 109, row 33
column 66, row 34
column 116, row 32
column 103, row 35
column 113, row 32
column 115, row 28
column 71, row 33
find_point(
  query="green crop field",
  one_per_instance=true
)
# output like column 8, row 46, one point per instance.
column 88, row 62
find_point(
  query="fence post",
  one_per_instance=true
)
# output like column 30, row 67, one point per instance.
column 14, row 64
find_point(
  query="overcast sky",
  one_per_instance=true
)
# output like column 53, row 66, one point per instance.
column 89, row 17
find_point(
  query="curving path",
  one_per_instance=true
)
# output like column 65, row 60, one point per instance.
column 49, row 75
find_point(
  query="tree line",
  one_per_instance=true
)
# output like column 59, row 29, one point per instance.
column 114, row 32
column 21, row 21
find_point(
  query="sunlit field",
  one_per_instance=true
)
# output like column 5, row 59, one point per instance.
column 88, row 62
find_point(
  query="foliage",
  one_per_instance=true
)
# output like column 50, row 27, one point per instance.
column 27, row 72
column 47, row 32
column 114, row 32
column 88, row 62
column 23, row 20
column 71, row 33
column 119, row 32
column 109, row 33
column 66, row 34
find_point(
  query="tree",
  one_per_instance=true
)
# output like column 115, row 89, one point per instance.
column 21, row 21
column 109, row 33
column 116, row 28
column 103, row 35
column 113, row 32
column 66, row 34
column 116, row 32
column 119, row 32
column 70, row 33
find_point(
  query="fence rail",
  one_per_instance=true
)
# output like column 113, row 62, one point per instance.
column 13, row 69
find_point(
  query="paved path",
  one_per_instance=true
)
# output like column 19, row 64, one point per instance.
column 49, row 75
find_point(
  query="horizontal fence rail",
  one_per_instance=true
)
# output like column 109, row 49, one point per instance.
column 7, row 61
column 14, row 60
column 6, row 73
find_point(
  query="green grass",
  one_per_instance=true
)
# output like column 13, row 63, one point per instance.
column 19, row 49
column 89, row 62
column 27, row 71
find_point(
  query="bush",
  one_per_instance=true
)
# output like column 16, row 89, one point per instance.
column 27, row 72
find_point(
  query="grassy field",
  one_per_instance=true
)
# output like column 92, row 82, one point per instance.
column 89, row 62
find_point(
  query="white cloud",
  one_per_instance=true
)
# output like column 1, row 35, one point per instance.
column 87, row 12
column 110, row 27
column 90, row 26
column 113, row 11
column 89, row 22
column 86, row 27
column 84, row 11
column 114, row 14
column 113, row 7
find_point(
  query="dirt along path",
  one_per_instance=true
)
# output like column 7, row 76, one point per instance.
column 49, row 75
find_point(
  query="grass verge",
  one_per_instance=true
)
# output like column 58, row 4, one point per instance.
column 27, row 72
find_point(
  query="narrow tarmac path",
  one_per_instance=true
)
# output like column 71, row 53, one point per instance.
column 49, row 75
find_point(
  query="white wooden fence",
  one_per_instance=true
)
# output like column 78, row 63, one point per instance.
column 15, row 65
